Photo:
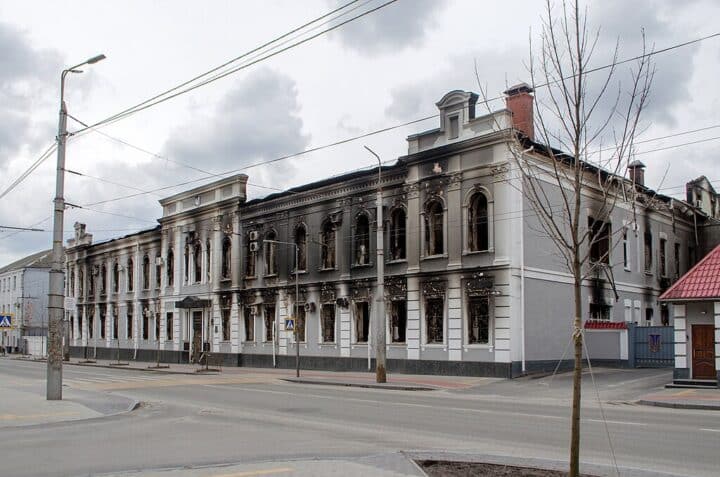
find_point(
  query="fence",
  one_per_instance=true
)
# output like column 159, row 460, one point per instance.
column 651, row 346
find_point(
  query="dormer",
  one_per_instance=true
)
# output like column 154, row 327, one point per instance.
column 457, row 108
column 223, row 191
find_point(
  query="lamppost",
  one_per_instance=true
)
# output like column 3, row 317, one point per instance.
column 379, row 328
column 297, row 300
column 56, row 289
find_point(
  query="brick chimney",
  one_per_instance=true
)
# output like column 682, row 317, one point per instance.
column 636, row 171
column 519, row 100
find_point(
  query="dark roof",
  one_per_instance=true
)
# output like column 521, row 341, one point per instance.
column 701, row 282
column 37, row 260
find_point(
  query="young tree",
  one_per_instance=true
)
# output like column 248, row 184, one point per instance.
column 561, row 172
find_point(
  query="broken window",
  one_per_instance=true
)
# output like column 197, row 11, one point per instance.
column 478, row 320
column 478, row 223
column 600, row 311
column 226, row 257
column 72, row 282
column 91, row 284
column 648, row 315
column 362, row 322
column 434, row 319
column 186, row 269
column 197, row 262
column 434, row 228
column 270, row 253
column 146, row 324
column 249, row 324
column 116, row 277
column 226, row 306
column 170, row 268
column 129, row 322
column 269, row 322
column 301, row 242
column 157, row 326
column 398, row 321
column 300, row 324
column 102, row 322
column 250, row 258
column 130, row 274
column 664, row 315
column 327, row 322
column 169, row 326
column 81, row 282
column 626, row 250
column 362, row 240
column 146, row 272
column 397, row 234
column 114, row 324
column 91, row 322
column 103, row 279
column 158, row 275
column 327, row 241
column 599, row 241
column 676, row 257
column 208, row 250
column 662, row 257
column 648, row 252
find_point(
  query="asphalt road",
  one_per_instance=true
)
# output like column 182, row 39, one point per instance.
column 197, row 421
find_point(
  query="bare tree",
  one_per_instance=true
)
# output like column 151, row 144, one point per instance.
column 564, row 169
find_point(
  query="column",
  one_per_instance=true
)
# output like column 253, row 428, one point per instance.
column 413, row 318
column 216, row 321
column 236, row 257
column 344, row 291
column 680, row 324
column 503, row 326
column 283, row 304
column 234, row 325
column 216, row 255
column 716, row 312
column 413, row 228
column 454, row 231
column 455, row 327
column 179, row 252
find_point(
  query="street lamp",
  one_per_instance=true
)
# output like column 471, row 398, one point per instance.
column 56, row 293
column 297, row 300
column 379, row 328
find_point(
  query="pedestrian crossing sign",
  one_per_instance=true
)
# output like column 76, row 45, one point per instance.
column 5, row 321
column 290, row 324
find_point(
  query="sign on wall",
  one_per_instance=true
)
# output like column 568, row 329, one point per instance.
column 6, row 320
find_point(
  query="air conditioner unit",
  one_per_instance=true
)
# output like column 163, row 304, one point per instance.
column 254, row 246
column 253, row 235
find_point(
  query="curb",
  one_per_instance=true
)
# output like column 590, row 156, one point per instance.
column 680, row 405
column 392, row 387
column 130, row 368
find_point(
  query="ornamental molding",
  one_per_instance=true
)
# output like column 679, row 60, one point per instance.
column 480, row 285
column 327, row 293
column 361, row 291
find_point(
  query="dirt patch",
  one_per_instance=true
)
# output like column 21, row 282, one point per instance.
column 443, row 468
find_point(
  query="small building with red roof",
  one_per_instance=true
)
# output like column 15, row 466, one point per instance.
column 695, row 300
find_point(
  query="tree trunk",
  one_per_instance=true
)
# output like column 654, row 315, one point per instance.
column 577, row 376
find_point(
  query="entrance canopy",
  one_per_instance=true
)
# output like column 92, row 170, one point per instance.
column 193, row 302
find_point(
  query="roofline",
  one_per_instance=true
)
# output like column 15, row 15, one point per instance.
column 204, row 188
column 677, row 283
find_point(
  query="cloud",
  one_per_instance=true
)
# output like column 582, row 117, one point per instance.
column 257, row 120
column 399, row 25
column 25, row 74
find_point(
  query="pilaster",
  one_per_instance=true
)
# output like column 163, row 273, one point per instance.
column 454, row 327
column 413, row 317
column 680, row 324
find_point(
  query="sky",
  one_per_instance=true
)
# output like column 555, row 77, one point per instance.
column 386, row 68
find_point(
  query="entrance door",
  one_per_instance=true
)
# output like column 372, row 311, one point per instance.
column 196, row 336
column 703, row 352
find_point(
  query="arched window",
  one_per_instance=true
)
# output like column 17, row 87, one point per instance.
column 170, row 267
column 434, row 228
column 130, row 274
column 250, row 257
column 327, row 244
column 478, row 223
column 208, row 249
column 197, row 261
column 103, row 279
column 362, row 240
column 146, row 272
column 81, row 283
column 397, row 234
column 91, row 283
column 186, row 259
column 301, row 242
column 226, row 257
column 116, row 277
column 270, row 254
column 72, row 282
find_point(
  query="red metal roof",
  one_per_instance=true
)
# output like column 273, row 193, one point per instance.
column 701, row 282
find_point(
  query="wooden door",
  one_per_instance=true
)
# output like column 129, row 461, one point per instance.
column 703, row 352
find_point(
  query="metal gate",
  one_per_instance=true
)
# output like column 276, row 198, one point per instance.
column 651, row 346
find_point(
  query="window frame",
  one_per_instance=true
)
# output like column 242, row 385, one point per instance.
column 357, row 239
column 395, row 230
column 467, row 322
column 430, row 227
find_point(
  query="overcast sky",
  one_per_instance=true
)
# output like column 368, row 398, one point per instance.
column 386, row 68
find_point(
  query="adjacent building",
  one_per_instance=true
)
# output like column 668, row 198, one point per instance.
column 471, row 285
column 24, row 299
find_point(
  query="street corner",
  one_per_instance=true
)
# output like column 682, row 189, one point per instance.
column 677, row 398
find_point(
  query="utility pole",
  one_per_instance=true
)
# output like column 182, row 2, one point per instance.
column 379, row 322
column 56, row 295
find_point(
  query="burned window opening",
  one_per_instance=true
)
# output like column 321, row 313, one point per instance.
column 146, row 272
column 169, row 326
column 662, row 257
column 91, row 322
column 300, row 324
column 170, row 268
column 102, row 322
column 269, row 322
column 226, row 258
column 327, row 244
column 116, row 277
column 600, row 311
column 208, row 266
column 327, row 322
column 398, row 321
column 270, row 254
column 249, row 317
column 599, row 241
column 362, row 240
column 129, row 322
column 478, row 239
column 362, row 321
column 434, row 319
column 250, row 259
column 225, row 308
column 197, row 262
column 478, row 320
column 434, row 229
column 103, row 279
column 398, row 238
column 301, row 242
column 130, row 275
column 648, row 239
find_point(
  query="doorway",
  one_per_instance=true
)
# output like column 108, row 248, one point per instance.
column 703, row 352
column 197, row 336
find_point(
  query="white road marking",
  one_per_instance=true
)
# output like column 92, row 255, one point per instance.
column 617, row 422
column 710, row 430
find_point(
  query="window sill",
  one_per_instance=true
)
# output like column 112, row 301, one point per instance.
column 399, row 260
column 327, row 269
column 434, row 257
column 272, row 275
column 328, row 344
column 479, row 252
column 398, row 344
column 470, row 346
column 362, row 265
column 299, row 272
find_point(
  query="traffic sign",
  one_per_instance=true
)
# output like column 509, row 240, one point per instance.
column 290, row 324
column 6, row 321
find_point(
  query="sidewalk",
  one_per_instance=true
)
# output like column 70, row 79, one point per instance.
column 707, row 399
column 405, row 382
